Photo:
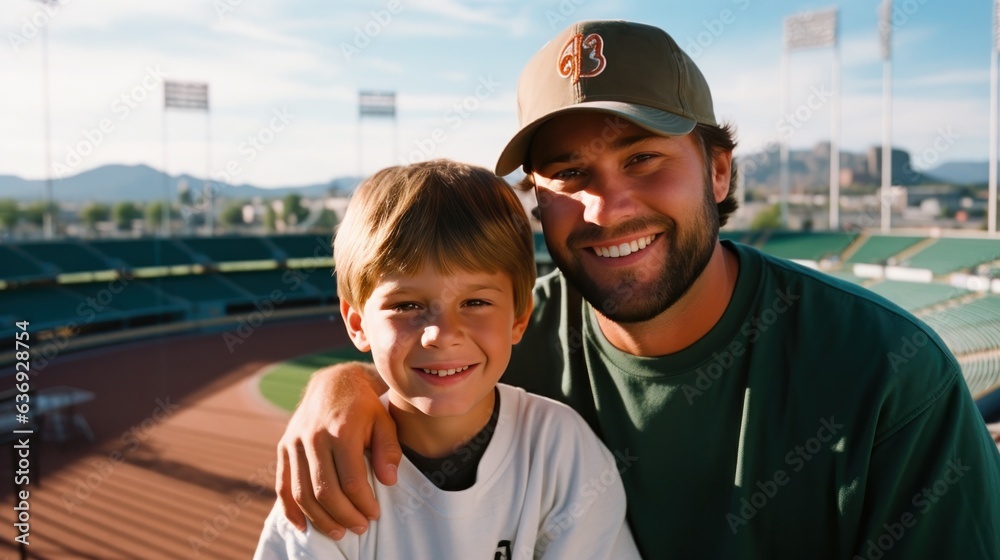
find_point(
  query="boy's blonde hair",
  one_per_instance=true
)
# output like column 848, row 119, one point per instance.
column 452, row 215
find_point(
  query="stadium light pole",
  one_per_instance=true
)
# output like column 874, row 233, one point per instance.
column 834, row 223
column 783, row 174
column 807, row 30
column 885, row 29
column 48, row 218
column 193, row 96
column 991, row 211
column 378, row 104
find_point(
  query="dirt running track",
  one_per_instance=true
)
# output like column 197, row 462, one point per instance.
column 183, row 459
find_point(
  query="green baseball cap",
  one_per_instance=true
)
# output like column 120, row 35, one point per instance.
column 632, row 70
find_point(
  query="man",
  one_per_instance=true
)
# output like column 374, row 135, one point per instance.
column 757, row 409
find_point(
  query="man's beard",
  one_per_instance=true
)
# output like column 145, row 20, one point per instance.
column 643, row 294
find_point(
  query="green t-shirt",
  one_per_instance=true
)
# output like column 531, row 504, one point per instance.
column 815, row 420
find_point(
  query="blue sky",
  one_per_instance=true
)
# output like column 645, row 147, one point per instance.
column 287, row 75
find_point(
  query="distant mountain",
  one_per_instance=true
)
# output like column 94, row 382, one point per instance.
column 141, row 183
column 809, row 170
column 962, row 172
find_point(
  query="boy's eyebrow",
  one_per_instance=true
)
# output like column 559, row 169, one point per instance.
column 396, row 287
column 620, row 143
column 488, row 286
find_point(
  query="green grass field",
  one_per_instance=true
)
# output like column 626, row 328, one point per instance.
column 283, row 384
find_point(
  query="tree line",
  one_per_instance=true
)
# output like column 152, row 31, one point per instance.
column 273, row 215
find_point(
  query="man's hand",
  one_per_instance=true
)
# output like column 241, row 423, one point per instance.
column 321, row 469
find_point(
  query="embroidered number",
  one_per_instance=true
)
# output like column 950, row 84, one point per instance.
column 582, row 57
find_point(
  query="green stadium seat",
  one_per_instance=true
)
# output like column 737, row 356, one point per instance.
column 43, row 306
column 292, row 284
column 230, row 249
column 969, row 328
column 304, row 246
column 808, row 246
column 952, row 255
column 68, row 256
column 878, row 249
column 981, row 374
column 200, row 288
column 128, row 296
column 14, row 265
column 143, row 253
column 914, row 296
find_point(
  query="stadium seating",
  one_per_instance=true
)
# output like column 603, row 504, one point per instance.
column 951, row 255
column 231, row 249
column 15, row 265
column 201, row 288
column 130, row 297
column 303, row 246
column 969, row 328
column 291, row 284
column 67, row 256
column 144, row 253
column 981, row 374
column 845, row 275
column 914, row 296
column 810, row 246
column 43, row 306
column 878, row 249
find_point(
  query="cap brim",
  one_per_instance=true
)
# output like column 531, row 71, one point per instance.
column 654, row 120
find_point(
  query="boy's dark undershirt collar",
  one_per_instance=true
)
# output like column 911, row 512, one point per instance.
column 457, row 471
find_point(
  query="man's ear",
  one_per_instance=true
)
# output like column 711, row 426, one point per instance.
column 521, row 323
column 722, row 169
column 355, row 326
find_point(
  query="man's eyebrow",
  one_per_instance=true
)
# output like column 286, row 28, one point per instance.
column 620, row 143
column 628, row 141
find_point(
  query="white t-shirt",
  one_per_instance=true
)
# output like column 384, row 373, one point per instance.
column 546, row 487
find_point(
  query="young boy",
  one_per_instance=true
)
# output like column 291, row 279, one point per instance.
column 435, row 271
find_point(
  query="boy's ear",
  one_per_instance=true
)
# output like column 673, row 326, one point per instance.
column 355, row 327
column 521, row 323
